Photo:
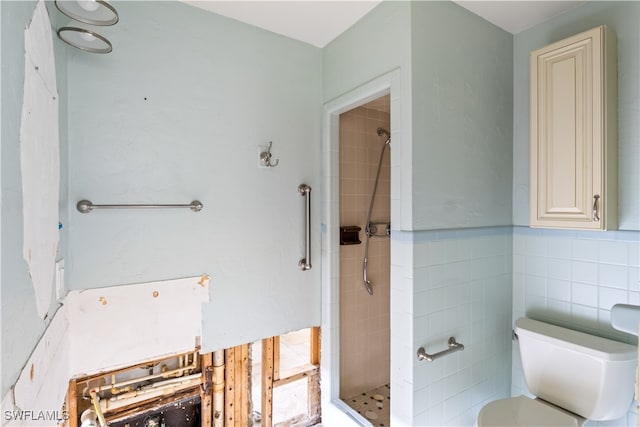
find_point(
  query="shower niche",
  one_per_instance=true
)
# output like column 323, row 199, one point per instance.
column 365, row 204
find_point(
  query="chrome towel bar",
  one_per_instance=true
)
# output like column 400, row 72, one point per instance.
column 305, row 263
column 85, row 206
column 453, row 347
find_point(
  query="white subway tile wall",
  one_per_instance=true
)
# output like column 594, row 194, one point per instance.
column 573, row 278
column 462, row 288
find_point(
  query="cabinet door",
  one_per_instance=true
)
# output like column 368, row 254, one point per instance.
column 568, row 133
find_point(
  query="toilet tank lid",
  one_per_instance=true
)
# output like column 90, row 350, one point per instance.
column 590, row 344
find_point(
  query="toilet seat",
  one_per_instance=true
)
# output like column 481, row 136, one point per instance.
column 523, row 411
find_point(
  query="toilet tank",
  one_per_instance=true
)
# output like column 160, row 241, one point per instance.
column 587, row 375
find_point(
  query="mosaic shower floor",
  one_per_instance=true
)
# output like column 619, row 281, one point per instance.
column 374, row 405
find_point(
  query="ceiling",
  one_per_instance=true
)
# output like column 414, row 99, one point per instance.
column 516, row 16
column 317, row 22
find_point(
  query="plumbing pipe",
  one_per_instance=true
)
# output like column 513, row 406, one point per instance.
column 218, row 388
column 167, row 388
column 166, row 374
column 96, row 405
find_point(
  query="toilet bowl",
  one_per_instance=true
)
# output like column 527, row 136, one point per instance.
column 575, row 376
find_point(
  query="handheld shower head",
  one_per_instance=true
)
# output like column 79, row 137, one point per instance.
column 383, row 131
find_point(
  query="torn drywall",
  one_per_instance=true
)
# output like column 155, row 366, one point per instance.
column 40, row 158
column 101, row 329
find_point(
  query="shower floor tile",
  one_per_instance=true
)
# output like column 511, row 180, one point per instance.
column 374, row 405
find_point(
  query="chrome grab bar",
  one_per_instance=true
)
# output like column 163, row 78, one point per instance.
column 453, row 347
column 85, row 206
column 305, row 263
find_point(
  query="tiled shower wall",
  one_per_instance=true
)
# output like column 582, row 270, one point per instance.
column 364, row 319
column 462, row 288
column 573, row 278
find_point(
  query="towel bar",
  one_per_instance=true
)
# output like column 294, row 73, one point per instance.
column 85, row 206
column 453, row 347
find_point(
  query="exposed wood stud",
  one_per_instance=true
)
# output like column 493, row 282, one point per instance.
column 229, row 398
column 206, row 390
column 237, row 386
column 239, row 393
column 314, row 358
column 299, row 373
column 241, row 405
column 276, row 358
column 313, row 396
column 313, row 382
column 72, row 405
column 267, row 381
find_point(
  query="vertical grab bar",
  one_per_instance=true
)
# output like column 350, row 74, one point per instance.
column 305, row 263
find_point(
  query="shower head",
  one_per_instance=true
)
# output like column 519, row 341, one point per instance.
column 383, row 131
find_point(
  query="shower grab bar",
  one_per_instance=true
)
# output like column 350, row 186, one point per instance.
column 305, row 263
column 85, row 206
column 453, row 347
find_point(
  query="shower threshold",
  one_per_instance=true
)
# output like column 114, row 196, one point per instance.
column 374, row 405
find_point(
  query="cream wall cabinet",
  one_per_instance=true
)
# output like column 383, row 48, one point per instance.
column 574, row 132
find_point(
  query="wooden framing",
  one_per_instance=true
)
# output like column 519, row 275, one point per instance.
column 237, row 391
column 224, row 386
column 71, row 405
column 206, row 396
column 126, row 392
column 268, row 372
column 273, row 377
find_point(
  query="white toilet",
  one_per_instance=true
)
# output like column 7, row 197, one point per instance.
column 575, row 376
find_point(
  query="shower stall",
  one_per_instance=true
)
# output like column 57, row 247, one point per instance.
column 365, row 212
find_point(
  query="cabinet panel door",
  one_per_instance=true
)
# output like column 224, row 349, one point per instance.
column 566, row 107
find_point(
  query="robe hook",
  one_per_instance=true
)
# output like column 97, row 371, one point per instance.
column 265, row 157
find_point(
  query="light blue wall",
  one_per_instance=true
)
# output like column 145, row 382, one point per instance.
column 573, row 278
column 456, row 167
column 462, row 288
column 21, row 325
column 462, row 118
column 375, row 46
column 379, row 46
column 462, row 173
column 624, row 19
column 380, row 42
column 178, row 112
column 562, row 276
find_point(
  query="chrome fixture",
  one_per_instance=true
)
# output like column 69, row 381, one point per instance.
column 86, row 206
column 265, row 157
column 305, row 263
column 453, row 347
column 93, row 12
column 370, row 228
column 596, row 216
column 84, row 40
column 383, row 131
